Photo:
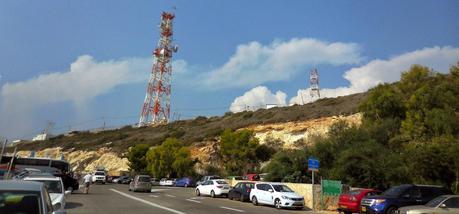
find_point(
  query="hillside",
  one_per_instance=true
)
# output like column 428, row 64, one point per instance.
column 200, row 128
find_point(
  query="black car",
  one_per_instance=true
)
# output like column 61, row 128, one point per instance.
column 400, row 196
column 241, row 191
column 125, row 180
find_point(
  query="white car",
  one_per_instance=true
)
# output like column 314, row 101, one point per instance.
column 213, row 188
column 441, row 204
column 276, row 194
column 99, row 177
column 167, row 182
column 54, row 186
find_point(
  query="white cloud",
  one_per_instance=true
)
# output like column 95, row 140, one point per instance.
column 254, row 64
column 256, row 98
column 85, row 79
column 386, row 71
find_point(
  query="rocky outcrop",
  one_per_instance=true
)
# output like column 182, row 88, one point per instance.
column 85, row 161
column 299, row 133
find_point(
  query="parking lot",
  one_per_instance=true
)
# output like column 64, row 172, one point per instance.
column 115, row 198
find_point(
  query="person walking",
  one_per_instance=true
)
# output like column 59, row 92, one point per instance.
column 87, row 182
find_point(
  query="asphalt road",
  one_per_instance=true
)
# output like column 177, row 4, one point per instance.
column 115, row 198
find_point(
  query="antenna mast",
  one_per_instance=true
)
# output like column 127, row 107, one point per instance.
column 156, row 106
column 314, row 85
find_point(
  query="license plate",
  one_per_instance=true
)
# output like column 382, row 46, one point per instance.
column 364, row 209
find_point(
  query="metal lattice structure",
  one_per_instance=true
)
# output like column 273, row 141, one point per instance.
column 156, row 107
column 314, row 89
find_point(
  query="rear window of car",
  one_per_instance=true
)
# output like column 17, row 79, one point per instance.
column 19, row 202
column 99, row 173
column 355, row 192
column 248, row 185
column 144, row 179
column 221, row 182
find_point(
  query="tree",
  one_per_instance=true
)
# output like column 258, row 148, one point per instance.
column 183, row 164
column 137, row 158
column 238, row 150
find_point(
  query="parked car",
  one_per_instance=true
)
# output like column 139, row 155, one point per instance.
column 99, row 177
column 208, row 177
column 17, row 196
column 447, row 204
column 55, row 188
column 117, row 180
column 276, row 194
column 111, row 178
column 125, row 180
column 400, row 196
column 241, row 191
column 167, row 182
column 350, row 202
column 251, row 177
column 213, row 188
column 140, row 183
column 234, row 177
column 154, row 181
column 185, row 182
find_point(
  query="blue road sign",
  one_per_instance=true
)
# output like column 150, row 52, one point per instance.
column 313, row 164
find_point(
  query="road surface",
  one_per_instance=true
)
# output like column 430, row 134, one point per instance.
column 115, row 198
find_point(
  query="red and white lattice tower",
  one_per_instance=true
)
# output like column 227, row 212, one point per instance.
column 314, row 90
column 156, row 107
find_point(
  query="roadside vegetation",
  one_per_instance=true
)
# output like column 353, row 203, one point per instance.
column 409, row 134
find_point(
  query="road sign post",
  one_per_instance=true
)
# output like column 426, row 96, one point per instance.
column 313, row 166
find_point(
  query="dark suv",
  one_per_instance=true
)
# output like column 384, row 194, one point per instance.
column 400, row 196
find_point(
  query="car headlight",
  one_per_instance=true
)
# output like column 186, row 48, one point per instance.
column 285, row 197
column 380, row 201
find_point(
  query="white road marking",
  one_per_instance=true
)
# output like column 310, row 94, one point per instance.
column 172, row 196
column 229, row 208
column 154, row 196
column 159, row 190
column 193, row 201
column 147, row 202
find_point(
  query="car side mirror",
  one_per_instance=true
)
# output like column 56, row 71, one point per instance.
column 443, row 206
column 68, row 192
column 271, row 190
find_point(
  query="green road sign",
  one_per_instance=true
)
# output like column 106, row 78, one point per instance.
column 331, row 187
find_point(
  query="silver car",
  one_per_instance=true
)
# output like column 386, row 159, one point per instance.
column 441, row 204
column 140, row 183
column 25, row 197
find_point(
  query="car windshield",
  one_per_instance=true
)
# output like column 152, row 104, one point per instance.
column 436, row 201
column 248, row 185
column 19, row 202
column 221, row 182
column 395, row 191
column 100, row 173
column 52, row 186
column 144, row 179
column 282, row 188
column 354, row 192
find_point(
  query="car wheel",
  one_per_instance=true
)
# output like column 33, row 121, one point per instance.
column 391, row 210
column 103, row 182
column 241, row 198
column 129, row 189
column 254, row 201
column 277, row 204
column 197, row 192
column 212, row 194
column 229, row 197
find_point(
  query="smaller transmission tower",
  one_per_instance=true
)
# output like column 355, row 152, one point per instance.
column 314, row 90
column 156, row 107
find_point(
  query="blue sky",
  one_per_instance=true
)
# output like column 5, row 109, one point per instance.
column 232, row 53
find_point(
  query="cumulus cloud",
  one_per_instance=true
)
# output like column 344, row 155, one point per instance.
column 85, row 79
column 254, row 63
column 258, row 97
column 386, row 71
